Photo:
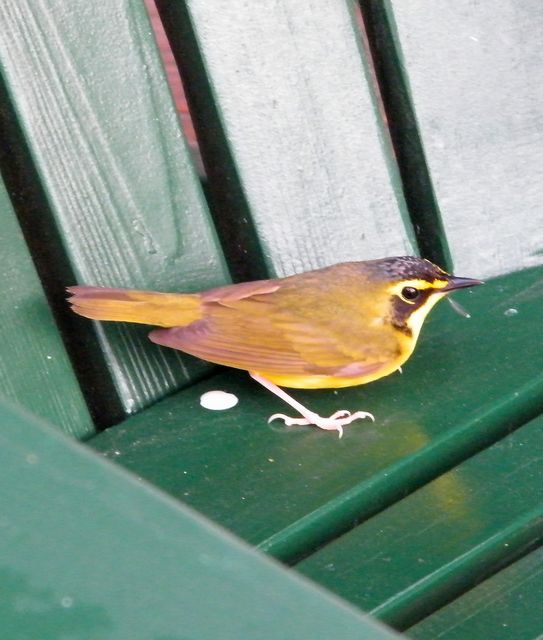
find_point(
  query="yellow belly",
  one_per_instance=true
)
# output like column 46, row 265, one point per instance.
column 312, row 381
column 315, row 381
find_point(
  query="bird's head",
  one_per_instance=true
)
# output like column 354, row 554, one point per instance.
column 413, row 286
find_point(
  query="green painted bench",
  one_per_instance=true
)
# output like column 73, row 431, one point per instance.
column 326, row 136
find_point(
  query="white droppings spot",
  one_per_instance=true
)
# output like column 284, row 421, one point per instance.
column 218, row 400
column 510, row 312
column 271, row 460
column 67, row 602
column 49, row 357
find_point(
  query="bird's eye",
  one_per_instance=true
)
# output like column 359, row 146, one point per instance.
column 410, row 294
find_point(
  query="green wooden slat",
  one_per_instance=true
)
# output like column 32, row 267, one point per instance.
column 291, row 489
column 92, row 108
column 34, row 368
column 292, row 138
column 507, row 606
column 472, row 73
column 90, row 552
column 444, row 538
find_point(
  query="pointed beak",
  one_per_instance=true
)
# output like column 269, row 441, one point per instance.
column 461, row 283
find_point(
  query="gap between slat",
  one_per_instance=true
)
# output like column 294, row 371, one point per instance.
column 226, row 198
column 54, row 270
column 176, row 85
column 514, row 542
column 402, row 123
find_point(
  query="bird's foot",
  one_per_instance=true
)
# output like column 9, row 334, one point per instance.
column 335, row 422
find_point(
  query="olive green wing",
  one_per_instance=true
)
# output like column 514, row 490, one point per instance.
column 270, row 332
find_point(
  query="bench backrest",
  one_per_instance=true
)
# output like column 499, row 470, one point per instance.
column 296, row 145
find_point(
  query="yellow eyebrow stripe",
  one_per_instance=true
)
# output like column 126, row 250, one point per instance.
column 439, row 284
column 396, row 287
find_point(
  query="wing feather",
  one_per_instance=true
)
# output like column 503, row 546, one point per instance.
column 311, row 323
column 256, row 336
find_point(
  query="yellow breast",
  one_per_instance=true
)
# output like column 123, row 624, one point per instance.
column 406, row 344
column 313, row 381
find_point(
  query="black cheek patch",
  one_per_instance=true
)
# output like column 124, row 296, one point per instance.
column 401, row 311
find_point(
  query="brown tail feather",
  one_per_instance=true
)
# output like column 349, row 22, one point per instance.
column 131, row 305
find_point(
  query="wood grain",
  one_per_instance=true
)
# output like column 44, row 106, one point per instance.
column 95, row 114
column 473, row 71
column 295, row 127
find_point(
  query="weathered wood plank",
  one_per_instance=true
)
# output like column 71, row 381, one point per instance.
column 35, row 370
column 92, row 118
column 292, row 138
column 472, row 71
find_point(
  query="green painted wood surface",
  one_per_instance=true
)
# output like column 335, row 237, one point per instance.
column 507, row 606
column 444, row 538
column 34, row 368
column 89, row 552
column 292, row 489
column 472, row 75
column 93, row 148
column 299, row 161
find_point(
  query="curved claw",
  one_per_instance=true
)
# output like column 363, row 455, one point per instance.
column 335, row 422
column 361, row 415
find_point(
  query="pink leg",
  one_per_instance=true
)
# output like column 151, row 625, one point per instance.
column 335, row 422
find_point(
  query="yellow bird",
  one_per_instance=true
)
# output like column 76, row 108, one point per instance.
column 339, row 326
